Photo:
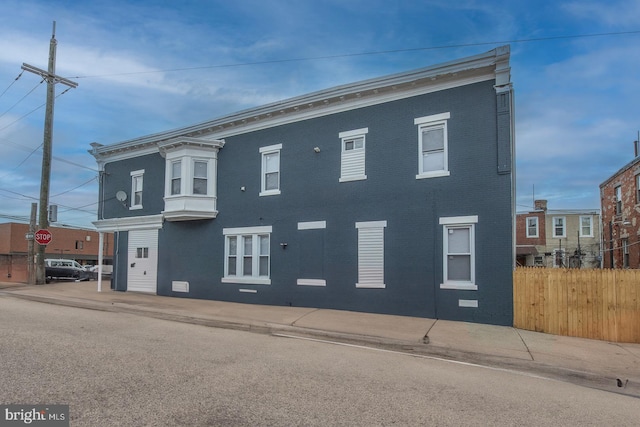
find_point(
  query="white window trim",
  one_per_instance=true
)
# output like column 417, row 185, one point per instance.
column 192, row 176
column 537, row 227
column 270, row 149
column 170, row 164
column 371, row 225
column 590, row 226
column 617, row 197
column 349, row 135
column 246, row 231
column 311, row 282
column 136, row 174
column 452, row 222
column 469, row 303
column 564, row 227
column 312, row 225
column 187, row 175
column 433, row 120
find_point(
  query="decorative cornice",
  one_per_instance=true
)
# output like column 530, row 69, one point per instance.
column 129, row 223
column 189, row 142
column 492, row 65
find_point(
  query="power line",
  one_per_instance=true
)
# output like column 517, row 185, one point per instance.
column 379, row 52
column 15, row 217
column 56, row 158
column 22, row 162
column 32, row 111
column 22, row 99
column 75, row 188
column 67, row 208
column 12, row 83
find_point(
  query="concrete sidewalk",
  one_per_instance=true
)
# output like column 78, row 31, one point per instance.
column 610, row 366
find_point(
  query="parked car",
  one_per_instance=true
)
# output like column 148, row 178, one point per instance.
column 106, row 270
column 65, row 269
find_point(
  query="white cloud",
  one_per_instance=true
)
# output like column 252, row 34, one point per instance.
column 620, row 13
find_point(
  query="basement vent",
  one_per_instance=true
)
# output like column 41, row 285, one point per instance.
column 471, row 303
column 177, row 286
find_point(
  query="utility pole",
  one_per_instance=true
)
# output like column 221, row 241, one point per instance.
column 51, row 78
column 31, row 244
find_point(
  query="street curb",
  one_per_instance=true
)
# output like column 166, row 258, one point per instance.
column 608, row 382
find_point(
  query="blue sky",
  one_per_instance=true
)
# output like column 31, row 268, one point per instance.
column 149, row 66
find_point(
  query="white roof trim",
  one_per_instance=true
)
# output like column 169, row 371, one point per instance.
column 129, row 223
column 486, row 66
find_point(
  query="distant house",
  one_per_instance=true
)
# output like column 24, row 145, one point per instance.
column 391, row 195
column 73, row 243
column 620, row 203
column 558, row 238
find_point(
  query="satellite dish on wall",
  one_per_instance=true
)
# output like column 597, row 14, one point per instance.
column 121, row 196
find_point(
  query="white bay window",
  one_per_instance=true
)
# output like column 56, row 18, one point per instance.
column 191, row 171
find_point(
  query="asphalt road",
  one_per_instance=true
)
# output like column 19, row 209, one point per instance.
column 120, row 369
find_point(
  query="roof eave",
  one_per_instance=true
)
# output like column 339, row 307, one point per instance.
column 495, row 62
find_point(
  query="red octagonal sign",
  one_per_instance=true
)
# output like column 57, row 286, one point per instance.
column 43, row 237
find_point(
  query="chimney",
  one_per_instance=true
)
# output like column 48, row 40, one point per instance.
column 540, row 205
column 635, row 149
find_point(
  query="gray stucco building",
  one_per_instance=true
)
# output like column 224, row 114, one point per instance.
column 391, row 195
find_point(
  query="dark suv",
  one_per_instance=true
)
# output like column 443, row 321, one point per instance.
column 65, row 269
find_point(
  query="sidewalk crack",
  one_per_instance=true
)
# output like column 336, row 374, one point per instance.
column 303, row 316
column 525, row 344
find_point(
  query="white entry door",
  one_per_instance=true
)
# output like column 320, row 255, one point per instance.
column 143, row 261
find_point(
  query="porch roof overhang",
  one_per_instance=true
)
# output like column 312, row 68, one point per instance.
column 526, row 250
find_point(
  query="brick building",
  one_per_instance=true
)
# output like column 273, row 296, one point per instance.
column 72, row 243
column 530, row 234
column 620, row 202
column 558, row 237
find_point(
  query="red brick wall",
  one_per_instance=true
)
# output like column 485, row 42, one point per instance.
column 521, row 229
column 65, row 243
column 611, row 222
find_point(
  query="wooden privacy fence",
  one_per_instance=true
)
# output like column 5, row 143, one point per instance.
column 596, row 304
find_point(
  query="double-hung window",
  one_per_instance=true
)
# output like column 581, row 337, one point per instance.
column 459, row 253
column 625, row 253
column 433, row 147
column 586, row 226
column 352, row 161
column 270, row 175
column 136, row 189
column 559, row 226
column 200, row 176
column 532, row 226
column 247, row 255
column 176, row 177
column 618, row 200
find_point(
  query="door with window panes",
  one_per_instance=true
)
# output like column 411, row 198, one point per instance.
column 142, row 270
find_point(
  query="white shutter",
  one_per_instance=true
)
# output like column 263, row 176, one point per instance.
column 352, row 166
column 371, row 254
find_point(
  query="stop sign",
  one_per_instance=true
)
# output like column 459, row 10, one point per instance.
column 43, row 237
